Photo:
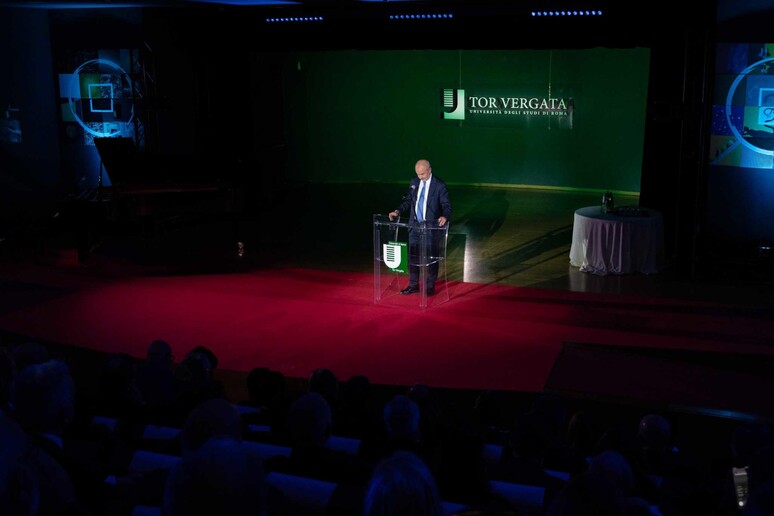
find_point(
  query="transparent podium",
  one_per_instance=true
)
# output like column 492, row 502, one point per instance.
column 400, row 246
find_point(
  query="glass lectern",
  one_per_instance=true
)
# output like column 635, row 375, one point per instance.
column 399, row 246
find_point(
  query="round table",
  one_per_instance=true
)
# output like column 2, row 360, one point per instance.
column 609, row 243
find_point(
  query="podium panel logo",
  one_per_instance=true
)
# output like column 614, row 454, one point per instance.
column 396, row 256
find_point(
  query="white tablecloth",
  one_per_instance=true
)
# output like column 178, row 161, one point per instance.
column 604, row 243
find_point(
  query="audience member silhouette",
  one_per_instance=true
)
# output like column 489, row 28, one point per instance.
column 212, row 418
column 43, row 399
column 255, row 387
column 422, row 395
column 559, row 455
column 615, row 469
column 309, row 423
column 29, row 353
column 588, row 494
column 156, row 378
column 656, row 453
column 267, row 393
column 400, row 431
column 119, row 395
column 524, row 454
column 209, row 361
column 205, row 353
column 458, row 465
column 20, row 486
column 354, row 419
column 632, row 469
column 325, row 383
column 402, row 485
column 488, row 409
column 7, row 372
column 583, row 434
column 217, row 478
column 194, row 384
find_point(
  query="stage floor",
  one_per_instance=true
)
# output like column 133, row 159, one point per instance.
column 301, row 296
column 498, row 236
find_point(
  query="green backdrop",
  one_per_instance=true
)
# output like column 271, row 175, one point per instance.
column 369, row 115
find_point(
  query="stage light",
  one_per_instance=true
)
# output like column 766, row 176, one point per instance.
column 304, row 19
column 422, row 16
column 582, row 12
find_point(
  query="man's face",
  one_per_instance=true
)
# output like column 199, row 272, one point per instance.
column 423, row 171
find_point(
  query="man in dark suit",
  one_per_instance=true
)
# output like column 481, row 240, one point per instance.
column 427, row 203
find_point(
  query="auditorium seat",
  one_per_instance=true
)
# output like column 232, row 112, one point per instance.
column 302, row 496
column 335, row 442
column 145, row 461
column 343, row 444
column 160, row 433
column 561, row 475
column 307, row 496
column 492, row 454
column 451, row 508
column 259, row 429
column 108, row 422
column 264, row 451
column 244, row 409
column 526, row 500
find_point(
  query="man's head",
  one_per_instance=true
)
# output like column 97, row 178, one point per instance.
column 210, row 419
column 423, row 169
column 401, row 418
column 43, row 396
column 159, row 354
column 309, row 420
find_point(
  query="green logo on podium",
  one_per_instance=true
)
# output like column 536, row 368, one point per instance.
column 396, row 256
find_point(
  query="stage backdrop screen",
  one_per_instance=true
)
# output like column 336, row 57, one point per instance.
column 740, row 182
column 555, row 118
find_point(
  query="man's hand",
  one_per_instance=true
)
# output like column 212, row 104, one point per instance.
column 441, row 221
column 394, row 215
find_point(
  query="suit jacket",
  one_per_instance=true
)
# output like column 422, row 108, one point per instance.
column 438, row 203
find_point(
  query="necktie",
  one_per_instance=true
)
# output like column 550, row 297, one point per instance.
column 421, row 203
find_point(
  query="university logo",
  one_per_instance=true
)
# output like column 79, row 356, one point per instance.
column 453, row 102
column 392, row 256
column 396, row 256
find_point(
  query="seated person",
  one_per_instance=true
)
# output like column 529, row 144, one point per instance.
column 402, row 485
column 309, row 426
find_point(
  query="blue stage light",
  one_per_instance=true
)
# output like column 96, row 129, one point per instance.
column 300, row 19
column 421, row 16
column 582, row 12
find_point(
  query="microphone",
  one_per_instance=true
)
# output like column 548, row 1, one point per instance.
column 408, row 193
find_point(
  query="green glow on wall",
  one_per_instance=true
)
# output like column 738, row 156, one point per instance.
column 369, row 115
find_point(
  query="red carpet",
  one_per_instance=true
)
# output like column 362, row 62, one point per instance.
column 485, row 337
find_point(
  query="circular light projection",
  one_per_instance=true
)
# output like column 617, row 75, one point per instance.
column 730, row 97
column 96, row 66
